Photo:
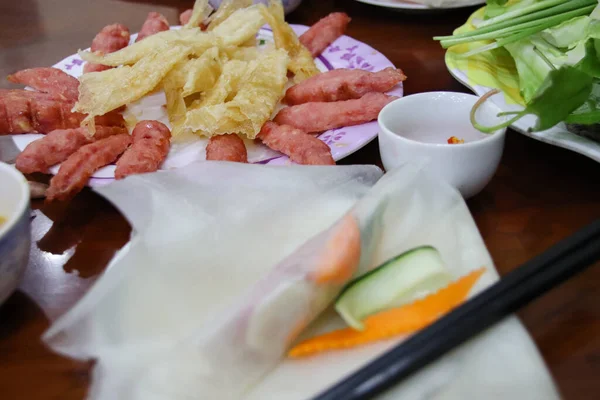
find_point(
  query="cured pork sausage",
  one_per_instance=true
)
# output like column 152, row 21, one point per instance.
column 49, row 80
column 299, row 146
column 110, row 39
column 343, row 84
column 155, row 22
column 25, row 111
column 316, row 117
column 324, row 32
column 76, row 170
column 58, row 145
column 151, row 144
column 228, row 147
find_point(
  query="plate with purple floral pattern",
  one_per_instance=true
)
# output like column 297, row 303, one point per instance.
column 345, row 52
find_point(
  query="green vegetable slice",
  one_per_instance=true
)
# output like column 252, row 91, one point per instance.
column 397, row 281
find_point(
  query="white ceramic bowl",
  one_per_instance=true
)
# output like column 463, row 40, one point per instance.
column 15, row 232
column 416, row 129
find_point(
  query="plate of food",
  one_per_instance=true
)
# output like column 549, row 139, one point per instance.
column 235, row 84
column 548, row 74
column 423, row 5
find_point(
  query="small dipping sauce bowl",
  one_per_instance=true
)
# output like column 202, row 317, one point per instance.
column 15, row 232
column 416, row 129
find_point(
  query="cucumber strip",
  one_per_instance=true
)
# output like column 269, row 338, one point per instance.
column 396, row 282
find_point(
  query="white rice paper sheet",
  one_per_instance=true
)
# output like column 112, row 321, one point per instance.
column 202, row 301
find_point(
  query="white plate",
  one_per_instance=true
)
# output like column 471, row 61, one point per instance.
column 345, row 52
column 557, row 136
column 406, row 5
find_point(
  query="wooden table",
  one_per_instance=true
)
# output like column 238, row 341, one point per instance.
column 539, row 195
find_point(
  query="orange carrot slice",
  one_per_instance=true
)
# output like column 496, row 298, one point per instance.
column 387, row 324
column 341, row 256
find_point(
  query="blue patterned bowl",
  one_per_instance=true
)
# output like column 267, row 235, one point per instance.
column 288, row 5
column 15, row 232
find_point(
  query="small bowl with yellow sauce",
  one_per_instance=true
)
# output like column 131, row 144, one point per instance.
column 15, row 231
column 433, row 129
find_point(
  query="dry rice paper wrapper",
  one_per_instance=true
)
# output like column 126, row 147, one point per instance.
column 218, row 281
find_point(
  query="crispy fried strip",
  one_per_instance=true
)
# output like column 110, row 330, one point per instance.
column 105, row 91
column 202, row 73
column 259, row 90
column 228, row 147
column 242, row 53
column 241, row 26
column 198, row 14
column 302, row 64
column 226, row 85
column 76, row 170
column 343, row 84
column 319, row 117
column 324, row 32
column 176, row 108
column 162, row 40
column 48, row 80
column 57, row 146
column 225, row 10
column 299, row 146
column 186, row 78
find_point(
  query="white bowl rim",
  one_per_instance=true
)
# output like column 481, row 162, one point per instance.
column 12, row 219
column 496, row 135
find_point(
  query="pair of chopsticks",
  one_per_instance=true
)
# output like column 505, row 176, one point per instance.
column 515, row 290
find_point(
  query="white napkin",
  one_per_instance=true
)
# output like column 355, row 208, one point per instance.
column 162, row 319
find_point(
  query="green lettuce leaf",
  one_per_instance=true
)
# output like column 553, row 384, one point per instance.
column 569, row 33
column 531, row 66
column 563, row 92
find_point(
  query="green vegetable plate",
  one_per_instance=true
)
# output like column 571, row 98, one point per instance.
column 496, row 69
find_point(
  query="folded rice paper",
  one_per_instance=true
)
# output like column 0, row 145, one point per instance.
column 230, row 264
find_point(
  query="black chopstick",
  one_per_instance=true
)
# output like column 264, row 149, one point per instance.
column 515, row 290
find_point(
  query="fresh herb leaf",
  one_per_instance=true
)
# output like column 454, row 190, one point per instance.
column 589, row 112
column 590, row 64
column 563, row 91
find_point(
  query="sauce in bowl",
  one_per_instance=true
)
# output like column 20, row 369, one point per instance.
column 433, row 129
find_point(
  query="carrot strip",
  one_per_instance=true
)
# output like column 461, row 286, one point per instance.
column 386, row 324
column 341, row 256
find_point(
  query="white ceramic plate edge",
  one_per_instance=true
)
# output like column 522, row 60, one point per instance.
column 556, row 136
column 399, row 5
